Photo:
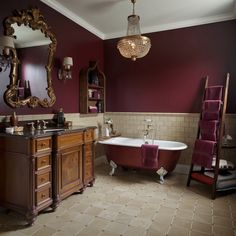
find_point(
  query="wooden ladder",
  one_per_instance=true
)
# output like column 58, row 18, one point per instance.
column 200, row 175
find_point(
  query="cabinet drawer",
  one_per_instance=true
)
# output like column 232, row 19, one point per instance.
column 42, row 179
column 42, row 195
column 42, row 162
column 42, row 144
column 88, row 135
column 69, row 140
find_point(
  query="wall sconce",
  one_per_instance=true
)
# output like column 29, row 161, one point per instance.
column 65, row 72
column 6, row 43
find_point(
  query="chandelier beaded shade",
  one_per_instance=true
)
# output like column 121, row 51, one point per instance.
column 134, row 45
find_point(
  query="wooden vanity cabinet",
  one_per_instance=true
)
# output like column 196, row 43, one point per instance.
column 25, row 174
column 88, row 158
column 67, row 165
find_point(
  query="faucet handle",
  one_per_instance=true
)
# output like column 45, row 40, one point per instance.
column 45, row 124
column 32, row 128
column 38, row 125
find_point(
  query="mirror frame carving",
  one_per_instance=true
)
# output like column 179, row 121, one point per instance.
column 35, row 20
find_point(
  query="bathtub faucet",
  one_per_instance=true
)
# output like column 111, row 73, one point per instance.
column 148, row 125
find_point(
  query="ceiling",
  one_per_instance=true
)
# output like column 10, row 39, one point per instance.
column 108, row 18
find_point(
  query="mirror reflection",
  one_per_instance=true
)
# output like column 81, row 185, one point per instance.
column 35, row 46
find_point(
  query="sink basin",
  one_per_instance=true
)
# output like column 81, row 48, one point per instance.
column 54, row 130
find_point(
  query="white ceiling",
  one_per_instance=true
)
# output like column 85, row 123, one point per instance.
column 108, row 18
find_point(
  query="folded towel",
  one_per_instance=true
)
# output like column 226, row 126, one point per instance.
column 211, row 105
column 208, row 129
column 149, row 155
column 214, row 93
column 203, row 153
column 210, row 115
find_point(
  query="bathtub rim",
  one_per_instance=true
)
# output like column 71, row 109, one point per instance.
column 110, row 141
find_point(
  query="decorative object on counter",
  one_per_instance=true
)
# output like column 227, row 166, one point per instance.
column 109, row 129
column 14, row 119
column 92, row 89
column 134, row 45
column 9, row 130
column 65, row 73
column 32, row 20
column 18, row 129
column 60, row 118
column 6, row 43
column 68, row 124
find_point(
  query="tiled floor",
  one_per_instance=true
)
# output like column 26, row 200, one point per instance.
column 133, row 203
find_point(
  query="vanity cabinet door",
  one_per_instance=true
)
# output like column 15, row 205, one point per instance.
column 67, row 165
column 70, row 171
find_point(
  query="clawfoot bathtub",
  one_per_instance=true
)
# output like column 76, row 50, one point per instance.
column 126, row 152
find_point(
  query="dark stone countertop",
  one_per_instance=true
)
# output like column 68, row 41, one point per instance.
column 50, row 131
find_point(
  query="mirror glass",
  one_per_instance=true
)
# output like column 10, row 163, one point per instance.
column 35, row 45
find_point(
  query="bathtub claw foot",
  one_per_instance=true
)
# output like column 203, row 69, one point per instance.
column 161, row 172
column 113, row 166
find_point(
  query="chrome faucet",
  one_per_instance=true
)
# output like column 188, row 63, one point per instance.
column 148, row 125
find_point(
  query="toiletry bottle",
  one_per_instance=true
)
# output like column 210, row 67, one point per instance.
column 13, row 119
column 60, row 118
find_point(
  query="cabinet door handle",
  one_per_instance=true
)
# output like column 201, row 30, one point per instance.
column 42, row 179
column 42, row 145
column 43, row 195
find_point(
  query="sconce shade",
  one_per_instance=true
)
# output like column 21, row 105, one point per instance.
column 6, row 41
column 134, row 45
column 65, row 72
column 68, row 61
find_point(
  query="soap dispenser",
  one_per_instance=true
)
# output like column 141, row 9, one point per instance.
column 60, row 118
column 13, row 119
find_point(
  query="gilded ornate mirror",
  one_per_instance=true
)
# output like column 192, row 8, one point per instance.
column 31, row 64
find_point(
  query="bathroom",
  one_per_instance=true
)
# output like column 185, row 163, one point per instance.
column 165, row 86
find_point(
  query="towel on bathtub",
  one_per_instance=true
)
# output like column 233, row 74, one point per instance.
column 203, row 153
column 149, row 155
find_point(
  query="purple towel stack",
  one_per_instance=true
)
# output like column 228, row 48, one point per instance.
column 203, row 153
column 214, row 93
column 204, row 148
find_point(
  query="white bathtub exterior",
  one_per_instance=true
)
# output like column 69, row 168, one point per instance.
column 137, row 142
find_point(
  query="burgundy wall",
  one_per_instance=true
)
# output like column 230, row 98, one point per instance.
column 73, row 41
column 170, row 77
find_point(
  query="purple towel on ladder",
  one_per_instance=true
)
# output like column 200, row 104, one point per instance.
column 203, row 153
column 211, row 105
column 149, row 155
column 210, row 115
column 213, row 93
column 208, row 129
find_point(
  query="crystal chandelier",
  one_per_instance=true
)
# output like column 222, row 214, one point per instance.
column 134, row 45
